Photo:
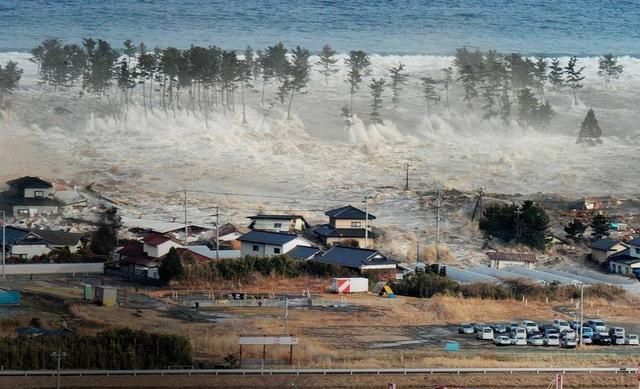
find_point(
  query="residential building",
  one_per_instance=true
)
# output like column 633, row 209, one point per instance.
column 346, row 225
column 23, row 243
column 357, row 259
column 60, row 239
column 29, row 196
column 144, row 258
column 266, row 243
column 278, row 223
column 304, row 253
column 602, row 249
column 203, row 253
column 501, row 260
column 627, row 262
column 228, row 235
column 155, row 245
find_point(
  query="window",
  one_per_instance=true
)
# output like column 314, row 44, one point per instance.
column 256, row 247
column 356, row 224
column 276, row 250
column 277, row 225
column 23, row 211
column 38, row 193
column 626, row 270
column 637, row 250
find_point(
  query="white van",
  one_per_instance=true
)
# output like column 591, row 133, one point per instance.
column 485, row 333
column 530, row 326
column 518, row 332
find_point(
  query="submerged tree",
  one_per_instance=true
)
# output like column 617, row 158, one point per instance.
column 574, row 77
column 429, row 92
column 590, row 131
column 600, row 226
column 327, row 63
column 377, row 88
column 9, row 78
column 575, row 229
column 556, row 73
column 468, row 78
column 540, row 74
column 446, row 82
column 358, row 65
column 298, row 74
column 398, row 79
column 609, row 68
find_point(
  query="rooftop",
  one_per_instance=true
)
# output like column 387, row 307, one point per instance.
column 604, row 244
column 156, row 239
column 635, row 242
column 303, row 252
column 514, row 257
column 29, row 182
column 58, row 238
column 353, row 257
column 267, row 237
column 624, row 257
column 348, row 212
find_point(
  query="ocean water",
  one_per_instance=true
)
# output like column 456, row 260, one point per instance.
column 437, row 27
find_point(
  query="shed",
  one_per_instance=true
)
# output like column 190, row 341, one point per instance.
column 107, row 296
column 500, row 260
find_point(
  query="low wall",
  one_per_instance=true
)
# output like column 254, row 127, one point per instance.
column 54, row 268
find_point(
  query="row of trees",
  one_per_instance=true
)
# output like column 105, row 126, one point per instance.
column 109, row 350
column 526, row 224
column 600, row 227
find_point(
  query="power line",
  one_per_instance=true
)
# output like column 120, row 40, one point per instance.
column 265, row 196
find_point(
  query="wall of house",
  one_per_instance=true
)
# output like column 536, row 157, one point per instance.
column 622, row 268
column 159, row 250
column 334, row 240
column 31, row 193
column 270, row 225
column 72, row 249
column 348, row 223
column 599, row 256
column 29, row 250
column 33, row 210
column 246, row 249
column 634, row 251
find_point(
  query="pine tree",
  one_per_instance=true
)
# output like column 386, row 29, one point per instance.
column 540, row 74
column 556, row 73
column 468, row 78
column 574, row 77
column 171, row 267
column 609, row 68
column 505, row 104
column 590, row 131
column 575, row 229
column 447, row 81
column 358, row 65
column 493, row 75
column 600, row 226
column 129, row 49
column 398, row 79
column 429, row 92
column 245, row 67
column 377, row 88
column 298, row 76
column 544, row 114
column 9, row 79
column 527, row 107
column 327, row 63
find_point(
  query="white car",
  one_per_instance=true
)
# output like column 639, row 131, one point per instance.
column 536, row 340
column 632, row 340
column 597, row 325
column 518, row 332
column 616, row 331
column 485, row 333
column 586, row 339
column 519, row 341
column 502, row 340
column 568, row 343
column 561, row 325
column 552, row 340
column 530, row 326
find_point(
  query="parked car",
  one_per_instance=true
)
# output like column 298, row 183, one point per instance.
column 478, row 326
column 502, row 340
column 618, row 340
column 616, row 331
column 518, row 332
column 561, row 325
column 568, row 334
column 597, row 325
column 632, row 340
column 552, row 340
column 550, row 330
column 519, row 340
column 529, row 325
column 512, row 325
column 485, row 333
column 536, row 340
column 499, row 328
column 575, row 324
column 587, row 331
column 544, row 327
column 602, row 339
column 568, row 342
column 586, row 339
column 465, row 328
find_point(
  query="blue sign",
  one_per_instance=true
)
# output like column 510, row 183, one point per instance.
column 452, row 346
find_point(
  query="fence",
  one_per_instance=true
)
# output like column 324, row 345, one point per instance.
column 55, row 268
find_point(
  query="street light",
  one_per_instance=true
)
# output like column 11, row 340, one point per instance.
column 58, row 355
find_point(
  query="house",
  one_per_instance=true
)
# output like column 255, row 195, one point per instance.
column 266, row 243
column 203, row 253
column 175, row 230
column 29, row 196
column 144, row 258
column 23, row 243
column 278, row 223
column 304, row 253
column 357, row 259
column 346, row 224
column 602, row 249
column 501, row 260
column 228, row 235
column 627, row 261
column 60, row 239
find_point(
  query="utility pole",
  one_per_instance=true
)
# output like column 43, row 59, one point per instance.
column 581, row 313
column 438, row 206
column 478, row 206
column 518, row 212
column 4, row 242
column 58, row 355
column 406, row 180
column 217, row 215
column 186, row 226
column 286, row 315
column 417, row 247
column 366, row 221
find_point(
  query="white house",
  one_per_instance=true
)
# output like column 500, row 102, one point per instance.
column 266, row 243
column 278, row 223
column 627, row 262
column 156, row 246
column 346, row 224
column 29, row 196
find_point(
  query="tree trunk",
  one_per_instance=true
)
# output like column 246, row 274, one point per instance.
column 264, row 81
column 244, row 114
column 290, row 103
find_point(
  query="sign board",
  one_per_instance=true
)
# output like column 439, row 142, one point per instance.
column 452, row 346
column 269, row 340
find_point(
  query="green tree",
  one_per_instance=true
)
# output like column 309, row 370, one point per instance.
column 505, row 104
column 556, row 74
column 429, row 92
column 358, row 65
column 609, row 68
column 590, row 131
column 527, row 107
column 327, row 63
column 574, row 77
column 540, row 74
column 101, row 58
column 446, row 82
column 104, row 239
column 377, row 88
column 527, row 224
column 9, row 79
column 53, row 62
column 600, row 226
column 298, row 74
column 398, row 79
column 171, row 267
column 245, row 71
column 468, row 78
column 575, row 229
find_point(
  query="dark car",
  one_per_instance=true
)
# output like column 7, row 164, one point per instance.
column 602, row 340
column 499, row 328
column 544, row 327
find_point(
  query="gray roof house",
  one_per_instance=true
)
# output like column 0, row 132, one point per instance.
column 303, row 253
column 278, row 223
column 356, row 258
column 602, row 249
column 28, row 196
column 267, row 243
column 345, row 224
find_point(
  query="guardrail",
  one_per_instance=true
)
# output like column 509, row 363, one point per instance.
column 403, row 371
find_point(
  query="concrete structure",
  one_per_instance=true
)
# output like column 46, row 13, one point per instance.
column 501, row 260
column 346, row 224
column 265, row 244
column 107, row 296
column 29, row 196
column 278, row 223
column 602, row 249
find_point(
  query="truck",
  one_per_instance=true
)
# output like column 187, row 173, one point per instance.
column 349, row 285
